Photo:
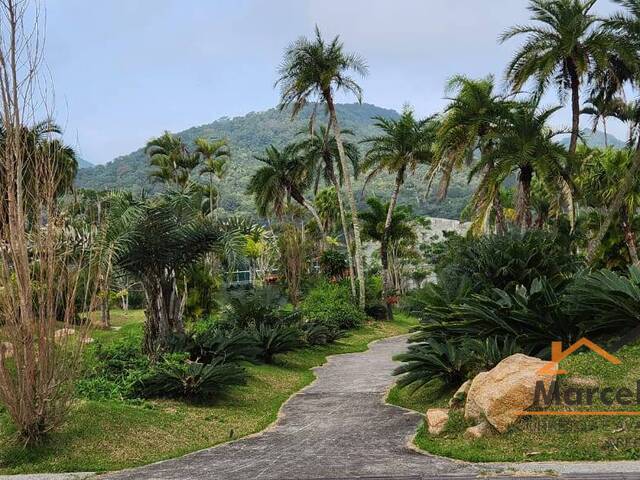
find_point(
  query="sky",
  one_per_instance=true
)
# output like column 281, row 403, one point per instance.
column 124, row 71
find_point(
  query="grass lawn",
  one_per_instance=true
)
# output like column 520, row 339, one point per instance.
column 546, row 438
column 105, row 435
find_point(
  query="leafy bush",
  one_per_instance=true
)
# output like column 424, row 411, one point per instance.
column 448, row 362
column 271, row 340
column 607, row 302
column 320, row 334
column 333, row 263
column 491, row 351
column 254, row 307
column 116, row 359
column 506, row 261
column 331, row 305
column 176, row 377
column 216, row 343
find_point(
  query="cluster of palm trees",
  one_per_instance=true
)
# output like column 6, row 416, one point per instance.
column 500, row 137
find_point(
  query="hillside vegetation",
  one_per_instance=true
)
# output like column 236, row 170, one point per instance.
column 249, row 135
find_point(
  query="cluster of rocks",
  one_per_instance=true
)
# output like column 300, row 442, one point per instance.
column 493, row 400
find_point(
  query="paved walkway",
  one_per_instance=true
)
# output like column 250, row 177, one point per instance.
column 340, row 428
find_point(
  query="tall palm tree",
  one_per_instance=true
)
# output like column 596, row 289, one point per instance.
column 172, row 160
column 285, row 175
column 321, row 150
column 526, row 145
column 373, row 227
column 564, row 45
column 402, row 146
column 215, row 155
column 313, row 70
column 470, row 124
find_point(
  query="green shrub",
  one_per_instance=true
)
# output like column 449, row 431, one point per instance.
column 253, row 307
column 506, row 261
column 374, row 306
column 607, row 304
column 331, row 304
column 333, row 263
column 177, row 377
column 116, row 359
column 214, row 342
column 320, row 333
column 271, row 340
column 489, row 352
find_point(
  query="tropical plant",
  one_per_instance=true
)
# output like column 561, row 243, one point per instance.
column 166, row 235
column 469, row 124
column 403, row 145
column 176, row 377
column 425, row 364
column 215, row 155
column 313, row 70
column 374, row 227
column 273, row 339
column 602, row 174
column 285, row 175
column 525, row 144
column 171, row 159
column 329, row 304
column 213, row 343
column 333, row 263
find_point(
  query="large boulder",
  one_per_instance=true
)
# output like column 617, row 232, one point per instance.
column 437, row 419
column 501, row 393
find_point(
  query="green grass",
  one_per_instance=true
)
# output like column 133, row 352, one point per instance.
column 111, row 435
column 544, row 438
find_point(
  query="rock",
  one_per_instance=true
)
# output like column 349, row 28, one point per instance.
column 483, row 429
column 501, row 393
column 437, row 420
column 64, row 333
column 87, row 340
column 458, row 399
column 581, row 382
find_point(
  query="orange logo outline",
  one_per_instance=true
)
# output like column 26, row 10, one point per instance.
column 557, row 355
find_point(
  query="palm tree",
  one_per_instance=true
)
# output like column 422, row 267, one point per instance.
column 285, row 175
column 321, row 150
column 373, row 227
column 402, row 146
column 601, row 178
column 526, row 145
column 470, row 124
column 164, row 237
column 564, row 45
column 315, row 70
column 172, row 159
column 600, row 107
column 215, row 155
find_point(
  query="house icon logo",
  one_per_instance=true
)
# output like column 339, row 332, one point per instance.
column 557, row 355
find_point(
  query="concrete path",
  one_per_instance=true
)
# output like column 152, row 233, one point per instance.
column 339, row 428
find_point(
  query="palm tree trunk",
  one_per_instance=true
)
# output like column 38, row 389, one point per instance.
column 501, row 227
column 351, row 197
column 523, row 206
column 629, row 236
column 345, row 229
column 615, row 206
column 387, row 288
column 211, row 195
column 298, row 197
column 575, row 105
column 604, row 127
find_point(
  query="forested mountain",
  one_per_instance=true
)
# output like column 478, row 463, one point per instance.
column 250, row 134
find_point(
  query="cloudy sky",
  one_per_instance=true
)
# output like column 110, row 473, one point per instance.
column 125, row 70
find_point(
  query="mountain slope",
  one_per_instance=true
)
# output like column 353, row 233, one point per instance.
column 249, row 135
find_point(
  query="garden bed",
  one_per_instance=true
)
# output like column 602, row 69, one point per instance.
column 111, row 435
